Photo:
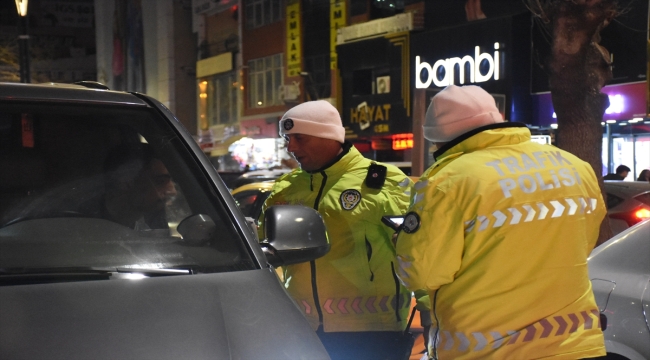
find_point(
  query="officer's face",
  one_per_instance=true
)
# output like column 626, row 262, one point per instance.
column 312, row 152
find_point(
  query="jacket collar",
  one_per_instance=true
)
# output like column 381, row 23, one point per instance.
column 490, row 135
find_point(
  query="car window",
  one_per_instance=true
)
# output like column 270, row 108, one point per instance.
column 107, row 186
column 613, row 200
column 644, row 198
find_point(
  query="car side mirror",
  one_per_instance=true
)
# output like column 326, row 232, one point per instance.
column 293, row 234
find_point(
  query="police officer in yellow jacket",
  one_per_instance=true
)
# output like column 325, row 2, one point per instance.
column 498, row 232
column 352, row 295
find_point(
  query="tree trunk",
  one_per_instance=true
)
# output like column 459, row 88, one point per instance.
column 578, row 68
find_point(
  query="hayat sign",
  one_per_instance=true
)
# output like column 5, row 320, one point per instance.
column 450, row 65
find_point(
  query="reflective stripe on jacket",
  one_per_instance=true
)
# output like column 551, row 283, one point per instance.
column 506, row 226
column 355, row 283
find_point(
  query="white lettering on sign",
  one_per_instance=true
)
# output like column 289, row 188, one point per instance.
column 449, row 65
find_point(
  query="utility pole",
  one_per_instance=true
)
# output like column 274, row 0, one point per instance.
column 23, row 41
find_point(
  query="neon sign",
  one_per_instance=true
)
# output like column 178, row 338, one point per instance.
column 474, row 64
column 402, row 141
column 616, row 105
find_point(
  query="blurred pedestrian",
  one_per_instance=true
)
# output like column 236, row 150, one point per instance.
column 498, row 233
column 621, row 173
column 644, row 175
column 351, row 296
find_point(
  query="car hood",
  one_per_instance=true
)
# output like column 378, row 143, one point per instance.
column 237, row 315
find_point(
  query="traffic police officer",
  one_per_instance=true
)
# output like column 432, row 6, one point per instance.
column 498, row 232
column 351, row 296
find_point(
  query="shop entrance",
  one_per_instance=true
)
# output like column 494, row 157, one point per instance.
column 631, row 150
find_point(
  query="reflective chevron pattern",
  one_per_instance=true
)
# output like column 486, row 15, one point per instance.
column 360, row 305
column 548, row 327
column 541, row 210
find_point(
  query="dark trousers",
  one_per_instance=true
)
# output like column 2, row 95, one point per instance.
column 371, row 345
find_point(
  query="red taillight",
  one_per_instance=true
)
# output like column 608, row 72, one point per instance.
column 634, row 216
column 642, row 214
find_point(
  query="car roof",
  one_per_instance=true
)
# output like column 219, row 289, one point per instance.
column 626, row 188
column 53, row 92
column 265, row 185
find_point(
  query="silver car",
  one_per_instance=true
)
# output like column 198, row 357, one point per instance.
column 118, row 239
column 628, row 203
column 620, row 275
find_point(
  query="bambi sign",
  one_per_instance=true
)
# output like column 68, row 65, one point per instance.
column 474, row 74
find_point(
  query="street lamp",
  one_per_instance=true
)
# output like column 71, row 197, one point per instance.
column 23, row 41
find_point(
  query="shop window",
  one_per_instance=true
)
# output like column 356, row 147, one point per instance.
column 264, row 78
column 362, row 82
column 318, row 81
column 222, row 99
column 263, row 12
column 371, row 81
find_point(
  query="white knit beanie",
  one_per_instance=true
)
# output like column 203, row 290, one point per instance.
column 317, row 118
column 456, row 110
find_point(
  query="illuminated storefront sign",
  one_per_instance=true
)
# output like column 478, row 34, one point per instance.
column 364, row 115
column 626, row 101
column 616, row 104
column 294, row 65
column 338, row 18
column 402, row 141
column 448, row 66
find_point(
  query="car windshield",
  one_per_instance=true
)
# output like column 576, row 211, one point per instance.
column 91, row 187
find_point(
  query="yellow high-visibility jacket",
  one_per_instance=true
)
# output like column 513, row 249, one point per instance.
column 498, row 232
column 355, row 282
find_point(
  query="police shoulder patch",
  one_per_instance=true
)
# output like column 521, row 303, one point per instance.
column 411, row 223
column 288, row 124
column 350, row 198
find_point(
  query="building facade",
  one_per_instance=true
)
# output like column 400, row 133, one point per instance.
column 380, row 62
column 148, row 46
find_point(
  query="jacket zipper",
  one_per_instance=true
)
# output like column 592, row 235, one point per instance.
column 314, row 287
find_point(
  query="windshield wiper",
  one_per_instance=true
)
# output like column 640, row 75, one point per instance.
column 154, row 271
column 54, row 275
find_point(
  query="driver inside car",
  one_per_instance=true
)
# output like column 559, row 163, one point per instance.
column 137, row 188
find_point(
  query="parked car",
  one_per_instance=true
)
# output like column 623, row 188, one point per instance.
column 251, row 197
column 257, row 176
column 118, row 240
column 628, row 202
column 619, row 270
